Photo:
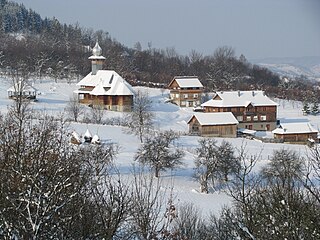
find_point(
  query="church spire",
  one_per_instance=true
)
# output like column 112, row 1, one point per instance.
column 96, row 59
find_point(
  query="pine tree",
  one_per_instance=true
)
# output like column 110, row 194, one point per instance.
column 315, row 107
column 306, row 108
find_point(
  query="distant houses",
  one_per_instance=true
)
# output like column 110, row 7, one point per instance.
column 222, row 124
column 104, row 87
column 253, row 109
column 186, row 91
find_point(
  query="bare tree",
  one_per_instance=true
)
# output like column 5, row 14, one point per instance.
column 74, row 108
column 147, row 201
column 159, row 153
column 206, row 163
column 97, row 112
column 140, row 119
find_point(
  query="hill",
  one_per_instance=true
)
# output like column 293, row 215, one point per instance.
column 293, row 67
column 46, row 47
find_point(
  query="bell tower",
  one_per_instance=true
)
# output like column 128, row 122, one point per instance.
column 96, row 59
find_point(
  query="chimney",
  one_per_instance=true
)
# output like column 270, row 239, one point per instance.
column 239, row 93
column 253, row 93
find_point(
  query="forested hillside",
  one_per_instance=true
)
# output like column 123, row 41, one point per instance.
column 47, row 47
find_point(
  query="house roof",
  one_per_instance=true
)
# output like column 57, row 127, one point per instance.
column 295, row 128
column 107, row 82
column 25, row 88
column 186, row 82
column 239, row 99
column 220, row 118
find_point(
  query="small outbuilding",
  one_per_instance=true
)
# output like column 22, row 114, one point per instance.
column 296, row 132
column 221, row 124
column 23, row 90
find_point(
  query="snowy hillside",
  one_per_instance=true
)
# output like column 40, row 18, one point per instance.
column 292, row 67
column 53, row 98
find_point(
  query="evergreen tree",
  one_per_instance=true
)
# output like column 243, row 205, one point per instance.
column 306, row 108
column 315, row 107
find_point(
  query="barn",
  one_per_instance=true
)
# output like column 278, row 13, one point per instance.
column 222, row 124
column 296, row 132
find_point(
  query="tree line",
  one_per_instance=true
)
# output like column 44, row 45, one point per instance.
column 58, row 50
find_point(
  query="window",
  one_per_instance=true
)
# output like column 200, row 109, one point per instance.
column 177, row 95
column 185, row 95
column 195, row 95
column 240, row 118
column 183, row 103
column 81, row 96
column 255, row 118
column 248, row 118
column 263, row 118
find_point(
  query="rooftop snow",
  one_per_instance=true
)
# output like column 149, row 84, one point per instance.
column 220, row 118
column 107, row 82
column 186, row 82
column 294, row 128
column 240, row 99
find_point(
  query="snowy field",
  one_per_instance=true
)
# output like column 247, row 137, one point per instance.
column 53, row 98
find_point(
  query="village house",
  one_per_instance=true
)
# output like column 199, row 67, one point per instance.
column 186, row 91
column 296, row 132
column 253, row 109
column 104, row 87
column 222, row 124
column 23, row 90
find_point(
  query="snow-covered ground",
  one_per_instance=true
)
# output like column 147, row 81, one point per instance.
column 53, row 98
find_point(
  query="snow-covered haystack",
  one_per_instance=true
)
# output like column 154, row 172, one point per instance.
column 87, row 136
column 75, row 138
column 95, row 139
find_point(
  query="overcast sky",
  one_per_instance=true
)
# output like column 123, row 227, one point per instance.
column 255, row 28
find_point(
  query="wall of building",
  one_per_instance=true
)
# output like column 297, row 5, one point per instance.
column 301, row 137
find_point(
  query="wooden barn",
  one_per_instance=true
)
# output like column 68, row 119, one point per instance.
column 296, row 132
column 253, row 109
column 186, row 91
column 104, row 87
column 222, row 124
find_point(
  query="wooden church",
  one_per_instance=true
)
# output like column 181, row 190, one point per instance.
column 104, row 87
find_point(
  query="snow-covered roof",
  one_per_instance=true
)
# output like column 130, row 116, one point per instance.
column 25, row 88
column 88, row 134
column 186, row 82
column 219, row 118
column 294, row 128
column 239, row 99
column 107, row 82
column 95, row 139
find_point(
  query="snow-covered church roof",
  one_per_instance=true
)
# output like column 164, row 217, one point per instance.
column 239, row 99
column 106, row 82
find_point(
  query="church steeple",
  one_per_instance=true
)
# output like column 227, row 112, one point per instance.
column 96, row 59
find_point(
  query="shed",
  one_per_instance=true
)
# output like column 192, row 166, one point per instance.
column 23, row 90
column 222, row 124
column 296, row 132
